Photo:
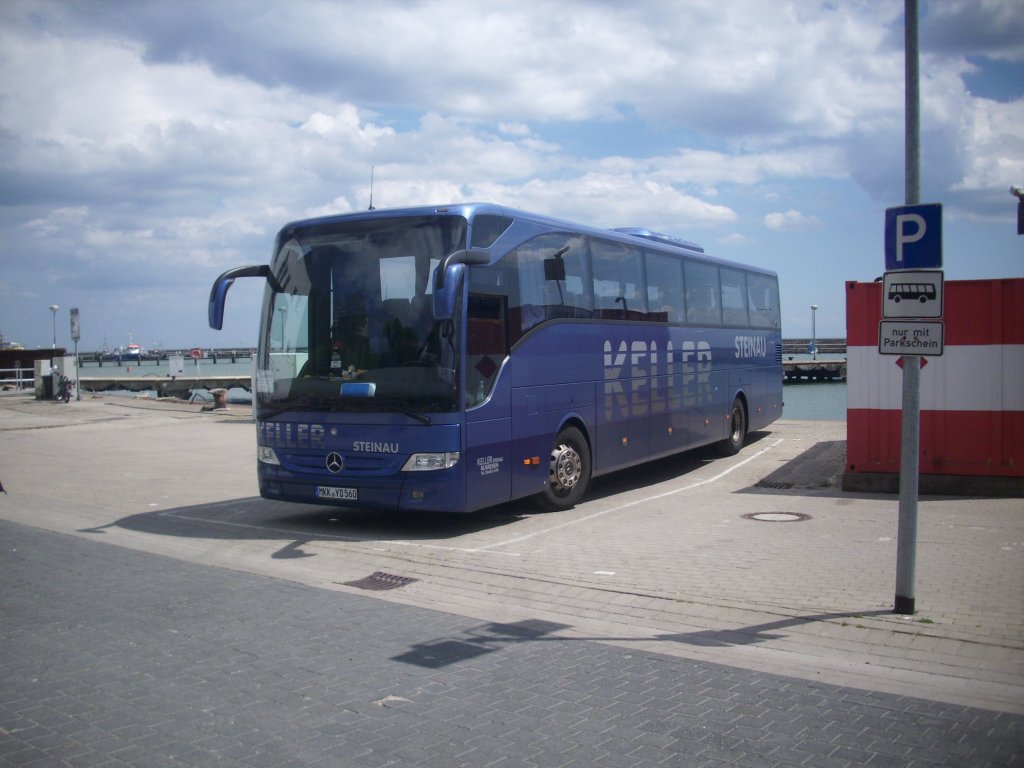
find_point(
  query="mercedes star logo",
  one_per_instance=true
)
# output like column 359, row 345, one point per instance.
column 335, row 462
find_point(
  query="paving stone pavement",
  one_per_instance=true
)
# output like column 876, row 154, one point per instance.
column 116, row 657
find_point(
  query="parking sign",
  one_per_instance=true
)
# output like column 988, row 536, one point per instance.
column 913, row 237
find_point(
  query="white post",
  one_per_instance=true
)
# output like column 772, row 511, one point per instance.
column 814, row 331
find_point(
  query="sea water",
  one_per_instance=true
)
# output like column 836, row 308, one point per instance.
column 804, row 400
column 815, row 400
column 824, row 400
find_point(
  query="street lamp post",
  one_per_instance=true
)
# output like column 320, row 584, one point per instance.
column 814, row 332
column 53, row 310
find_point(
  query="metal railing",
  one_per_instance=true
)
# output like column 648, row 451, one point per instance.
column 19, row 378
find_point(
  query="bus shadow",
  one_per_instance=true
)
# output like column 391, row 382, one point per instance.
column 664, row 470
column 260, row 519
column 256, row 518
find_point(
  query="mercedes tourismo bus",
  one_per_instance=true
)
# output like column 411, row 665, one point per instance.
column 451, row 358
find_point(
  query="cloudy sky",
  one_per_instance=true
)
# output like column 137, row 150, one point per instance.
column 149, row 145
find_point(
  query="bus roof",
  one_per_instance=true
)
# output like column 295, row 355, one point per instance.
column 470, row 210
column 660, row 237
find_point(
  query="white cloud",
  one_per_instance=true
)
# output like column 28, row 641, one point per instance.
column 995, row 143
column 790, row 221
column 514, row 129
column 710, row 168
column 346, row 126
column 610, row 200
column 145, row 145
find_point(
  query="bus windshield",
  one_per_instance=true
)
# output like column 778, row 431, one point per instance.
column 347, row 322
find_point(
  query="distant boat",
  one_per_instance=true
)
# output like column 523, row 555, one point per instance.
column 133, row 350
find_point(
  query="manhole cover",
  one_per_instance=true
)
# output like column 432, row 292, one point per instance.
column 777, row 517
column 379, row 580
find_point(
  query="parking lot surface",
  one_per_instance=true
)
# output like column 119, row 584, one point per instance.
column 697, row 611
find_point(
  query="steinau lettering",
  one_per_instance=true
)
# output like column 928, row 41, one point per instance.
column 751, row 346
column 368, row 446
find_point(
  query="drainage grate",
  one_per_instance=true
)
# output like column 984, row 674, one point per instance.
column 378, row 580
column 772, row 484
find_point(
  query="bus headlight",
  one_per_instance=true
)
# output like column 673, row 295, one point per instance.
column 424, row 462
column 266, row 455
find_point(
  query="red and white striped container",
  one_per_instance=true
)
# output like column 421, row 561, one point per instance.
column 972, row 397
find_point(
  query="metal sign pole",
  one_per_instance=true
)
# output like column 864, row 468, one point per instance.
column 912, row 105
column 906, row 537
column 906, row 549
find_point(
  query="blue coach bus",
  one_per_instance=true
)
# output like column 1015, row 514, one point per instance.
column 452, row 358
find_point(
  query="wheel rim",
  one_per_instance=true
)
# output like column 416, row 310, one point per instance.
column 737, row 425
column 566, row 468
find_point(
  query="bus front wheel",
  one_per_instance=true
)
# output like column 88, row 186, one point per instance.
column 568, row 471
column 737, row 430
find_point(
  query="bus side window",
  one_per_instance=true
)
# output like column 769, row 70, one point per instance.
column 734, row 297
column 535, row 298
column 702, row 294
column 664, row 288
column 763, row 292
column 618, row 281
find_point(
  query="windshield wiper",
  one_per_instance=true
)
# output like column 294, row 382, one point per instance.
column 268, row 412
column 420, row 417
column 335, row 404
column 364, row 405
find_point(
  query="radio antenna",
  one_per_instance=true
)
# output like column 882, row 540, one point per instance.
column 371, row 188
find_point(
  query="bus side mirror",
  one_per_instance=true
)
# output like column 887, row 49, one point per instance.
column 219, row 291
column 554, row 269
column 447, row 277
column 447, row 282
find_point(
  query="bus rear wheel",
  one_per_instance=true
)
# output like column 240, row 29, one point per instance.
column 737, row 430
column 568, row 471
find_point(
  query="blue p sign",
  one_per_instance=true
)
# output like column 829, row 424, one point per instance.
column 913, row 237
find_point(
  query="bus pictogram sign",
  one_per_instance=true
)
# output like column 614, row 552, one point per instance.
column 912, row 294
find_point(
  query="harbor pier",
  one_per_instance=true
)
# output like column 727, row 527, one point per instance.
column 148, row 357
column 810, row 371
column 164, row 386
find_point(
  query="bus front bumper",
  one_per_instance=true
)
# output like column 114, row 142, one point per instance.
column 437, row 491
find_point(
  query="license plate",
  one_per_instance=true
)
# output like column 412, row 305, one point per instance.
column 343, row 494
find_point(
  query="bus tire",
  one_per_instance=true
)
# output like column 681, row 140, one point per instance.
column 737, row 430
column 568, row 471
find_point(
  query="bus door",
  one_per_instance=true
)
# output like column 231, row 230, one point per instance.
column 488, row 402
